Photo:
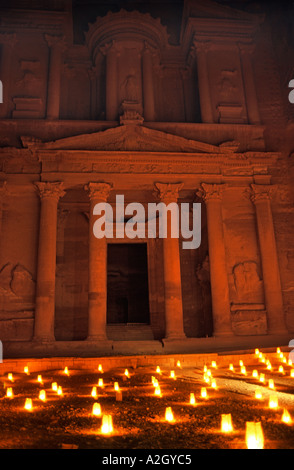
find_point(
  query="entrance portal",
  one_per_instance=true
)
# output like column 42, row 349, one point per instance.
column 127, row 284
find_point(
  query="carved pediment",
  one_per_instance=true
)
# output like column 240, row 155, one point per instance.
column 127, row 138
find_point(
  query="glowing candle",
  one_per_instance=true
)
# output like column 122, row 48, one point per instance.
column 273, row 402
column 208, row 373
column 258, row 395
column 278, row 350
column 255, row 373
column 116, row 387
column 127, row 373
column 269, row 366
column 100, row 369
column 261, row 378
column 157, row 391
column 9, row 392
column 192, row 399
column 284, row 360
column 241, row 363
column 206, row 378
column 178, row 364
column 66, row 372
column 169, row 414
column 203, row 393
column 28, row 404
column 172, row 374
column 256, row 352
column 260, row 355
column 243, row 370
column 100, row 383
column 213, row 364
column 10, row 377
column 292, row 373
column 26, row 370
column 94, row 392
column 289, row 362
column 205, row 368
column 42, row 395
column 158, row 370
column 231, row 367
column 281, row 355
column 155, row 383
column 254, row 435
column 59, row 391
column 54, row 386
column 213, row 384
column 39, row 379
column 226, row 423
column 281, row 369
column 96, row 410
column 262, row 359
column 107, row 427
column 271, row 384
column 286, row 417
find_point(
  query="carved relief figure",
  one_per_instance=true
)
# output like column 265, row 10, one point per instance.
column 247, row 282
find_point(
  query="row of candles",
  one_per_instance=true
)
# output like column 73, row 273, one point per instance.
column 254, row 432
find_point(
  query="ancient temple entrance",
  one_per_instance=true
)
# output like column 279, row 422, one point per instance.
column 127, row 287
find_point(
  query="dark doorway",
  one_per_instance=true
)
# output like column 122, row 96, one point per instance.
column 127, row 283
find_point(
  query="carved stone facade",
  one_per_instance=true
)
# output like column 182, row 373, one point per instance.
column 155, row 109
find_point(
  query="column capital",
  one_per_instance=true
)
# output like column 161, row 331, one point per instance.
column 55, row 41
column 262, row 192
column 211, row 191
column 168, row 192
column 50, row 190
column 98, row 191
column 201, row 46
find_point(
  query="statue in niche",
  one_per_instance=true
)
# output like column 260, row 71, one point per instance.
column 130, row 87
column 227, row 84
column 247, row 282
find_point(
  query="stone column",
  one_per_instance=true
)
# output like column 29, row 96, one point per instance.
column 111, row 54
column 7, row 42
column 174, row 325
column 212, row 195
column 45, row 289
column 148, row 84
column 203, row 81
column 98, row 192
column 56, row 45
column 261, row 195
column 246, row 51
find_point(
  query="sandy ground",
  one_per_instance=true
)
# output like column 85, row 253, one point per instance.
column 139, row 419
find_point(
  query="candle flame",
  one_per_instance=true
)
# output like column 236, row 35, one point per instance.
column 127, row 373
column 292, row 373
column 66, row 372
column 243, row 370
column 261, row 378
column 96, row 411
column 169, row 414
column 258, row 394
column 213, row 364
column 42, row 395
column 158, row 370
column 172, row 374
column 100, row 369
column 213, row 384
column 271, row 384
column 100, row 383
column 116, row 387
column 107, row 427
column 254, row 435
column 59, row 391
column 273, row 402
column 231, row 367
column 94, row 392
column 26, row 370
column 192, row 399
column 28, row 404
column 281, row 369
column 54, row 386
column 286, row 417
column 178, row 364
column 10, row 377
column 255, row 373
column 39, row 379
column 278, row 350
column 157, row 391
column 9, row 392
column 256, row 352
column 203, row 393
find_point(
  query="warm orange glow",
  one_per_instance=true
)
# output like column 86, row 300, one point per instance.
column 127, row 373
column 231, row 367
column 289, row 362
column 278, row 350
column 255, row 373
column 39, row 379
column 179, row 364
column 256, row 352
column 203, row 393
column 286, row 417
column 172, row 374
column 243, row 370
column 94, row 392
column 262, row 359
column 28, row 404
column 281, row 355
column 271, row 384
column 213, row 384
column 284, row 360
column 205, row 368
column 254, row 435
column 292, row 373
column 213, row 364
column 54, row 386
column 281, row 369
column 107, row 427
column 273, row 402
column 261, row 377
column 241, row 363
column 96, row 411
column 10, row 377
column 59, row 391
column 158, row 370
column 9, row 392
column 269, row 366
column 155, row 383
column 226, row 423
column 260, row 355
column 157, row 391
column 42, row 395
column 258, row 395
column 206, row 378
column 100, row 383
column 116, row 387
column 192, row 399
column 100, row 369
column 26, row 370
column 66, row 371
column 169, row 414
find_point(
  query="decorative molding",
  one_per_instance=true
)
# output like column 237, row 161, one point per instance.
column 168, row 192
column 262, row 192
column 211, row 192
column 50, row 190
column 98, row 191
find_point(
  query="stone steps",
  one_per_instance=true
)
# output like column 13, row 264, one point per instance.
column 129, row 332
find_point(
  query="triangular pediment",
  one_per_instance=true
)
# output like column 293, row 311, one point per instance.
column 211, row 9
column 126, row 138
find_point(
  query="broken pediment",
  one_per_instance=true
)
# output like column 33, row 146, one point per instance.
column 211, row 9
column 126, row 138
